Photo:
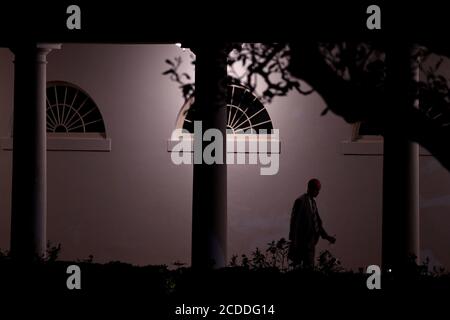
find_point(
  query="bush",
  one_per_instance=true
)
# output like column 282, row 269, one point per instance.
column 276, row 257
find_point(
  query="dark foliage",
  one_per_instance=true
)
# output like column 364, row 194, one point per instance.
column 156, row 290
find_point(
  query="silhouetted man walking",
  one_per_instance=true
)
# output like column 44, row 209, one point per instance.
column 306, row 227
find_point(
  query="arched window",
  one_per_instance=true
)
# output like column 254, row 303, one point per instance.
column 247, row 121
column 244, row 112
column 70, row 109
column 74, row 121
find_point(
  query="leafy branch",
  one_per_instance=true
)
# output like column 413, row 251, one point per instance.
column 185, row 82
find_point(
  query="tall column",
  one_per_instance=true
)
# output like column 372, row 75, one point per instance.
column 400, row 233
column 29, row 176
column 209, row 206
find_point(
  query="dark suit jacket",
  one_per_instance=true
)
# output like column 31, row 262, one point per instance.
column 302, row 232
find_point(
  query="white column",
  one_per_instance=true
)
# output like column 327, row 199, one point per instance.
column 209, row 204
column 29, row 177
column 400, row 233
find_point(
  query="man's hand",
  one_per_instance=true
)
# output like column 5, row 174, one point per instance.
column 331, row 239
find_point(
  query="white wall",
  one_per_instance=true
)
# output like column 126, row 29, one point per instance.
column 132, row 204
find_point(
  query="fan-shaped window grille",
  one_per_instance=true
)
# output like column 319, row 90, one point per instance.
column 71, row 110
column 244, row 112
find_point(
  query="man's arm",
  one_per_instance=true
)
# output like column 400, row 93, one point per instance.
column 323, row 233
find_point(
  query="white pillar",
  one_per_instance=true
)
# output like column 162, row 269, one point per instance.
column 400, row 202
column 29, row 177
column 400, row 233
column 209, row 204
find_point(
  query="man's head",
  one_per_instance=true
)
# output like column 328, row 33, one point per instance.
column 313, row 187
